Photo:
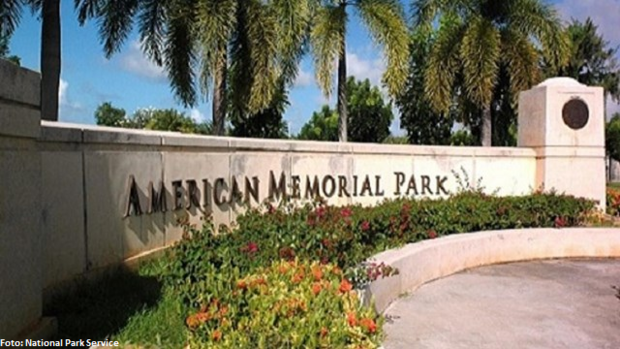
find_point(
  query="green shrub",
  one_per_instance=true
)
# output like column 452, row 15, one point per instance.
column 206, row 266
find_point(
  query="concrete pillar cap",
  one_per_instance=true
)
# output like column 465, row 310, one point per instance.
column 560, row 81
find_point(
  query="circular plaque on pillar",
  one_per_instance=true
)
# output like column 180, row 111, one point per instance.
column 575, row 113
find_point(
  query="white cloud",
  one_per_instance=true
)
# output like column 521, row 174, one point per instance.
column 62, row 92
column 371, row 69
column 134, row 61
column 303, row 79
column 68, row 110
column 197, row 115
column 604, row 14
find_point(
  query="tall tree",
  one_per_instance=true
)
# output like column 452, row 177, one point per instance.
column 369, row 116
column 423, row 124
column 476, row 38
column 10, row 14
column 267, row 123
column 385, row 21
column 592, row 61
column 322, row 126
column 212, row 44
column 108, row 115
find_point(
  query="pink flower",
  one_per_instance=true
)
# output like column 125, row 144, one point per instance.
column 432, row 234
column 346, row 212
column 365, row 225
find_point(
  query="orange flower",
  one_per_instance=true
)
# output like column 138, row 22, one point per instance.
column 352, row 319
column 345, row 286
column 316, row 288
column 369, row 325
column 193, row 321
column 259, row 281
column 298, row 277
column 217, row 335
column 242, row 284
column 317, row 273
column 323, row 332
column 223, row 310
column 283, row 269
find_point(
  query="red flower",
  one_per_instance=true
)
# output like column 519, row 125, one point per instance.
column 352, row 319
column 287, row 253
column 369, row 325
column 217, row 335
column 250, row 248
column 323, row 332
column 346, row 212
column 320, row 211
column 365, row 225
column 316, row 288
column 431, row 234
column 560, row 222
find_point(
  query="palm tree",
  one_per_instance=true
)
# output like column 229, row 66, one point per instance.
column 476, row 38
column 10, row 13
column 385, row 21
column 210, row 44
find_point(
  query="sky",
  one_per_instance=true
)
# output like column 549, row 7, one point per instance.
column 129, row 81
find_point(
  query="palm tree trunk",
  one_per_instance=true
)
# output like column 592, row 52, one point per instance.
column 219, row 95
column 487, row 130
column 50, row 59
column 342, row 94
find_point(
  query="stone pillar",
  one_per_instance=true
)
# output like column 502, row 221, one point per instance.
column 20, row 204
column 564, row 122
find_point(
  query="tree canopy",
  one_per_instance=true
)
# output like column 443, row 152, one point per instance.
column 386, row 24
column 369, row 116
column 475, row 39
column 150, row 119
column 592, row 61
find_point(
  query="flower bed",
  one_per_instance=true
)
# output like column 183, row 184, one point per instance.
column 276, row 280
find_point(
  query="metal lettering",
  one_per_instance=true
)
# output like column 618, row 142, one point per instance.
column 133, row 198
column 277, row 189
column 157, row 199
column 177, row 194
column 251, row 188
column 332, row 183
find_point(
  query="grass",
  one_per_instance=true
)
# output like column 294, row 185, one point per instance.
column 131, row 307
column 613, row 185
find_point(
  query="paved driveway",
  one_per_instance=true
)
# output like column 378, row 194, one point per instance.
column 541, row 304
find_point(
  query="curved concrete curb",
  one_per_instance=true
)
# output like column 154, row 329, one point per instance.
column 428, row 260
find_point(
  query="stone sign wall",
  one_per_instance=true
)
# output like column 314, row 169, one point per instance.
column 80, row 198
column 110, row 194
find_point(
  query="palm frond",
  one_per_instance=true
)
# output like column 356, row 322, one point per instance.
column 385, row 19
column 179, row 52
column 116, row 23
column 262, row 34
column 540, row 21
column 152, row 28
column 293, row 23
column 216, row 21
column 443, row 64
column 521, row 59
column 327, row 42
column 10, row 15
column 424, row 12
column 480, row 55
column 87, row 9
